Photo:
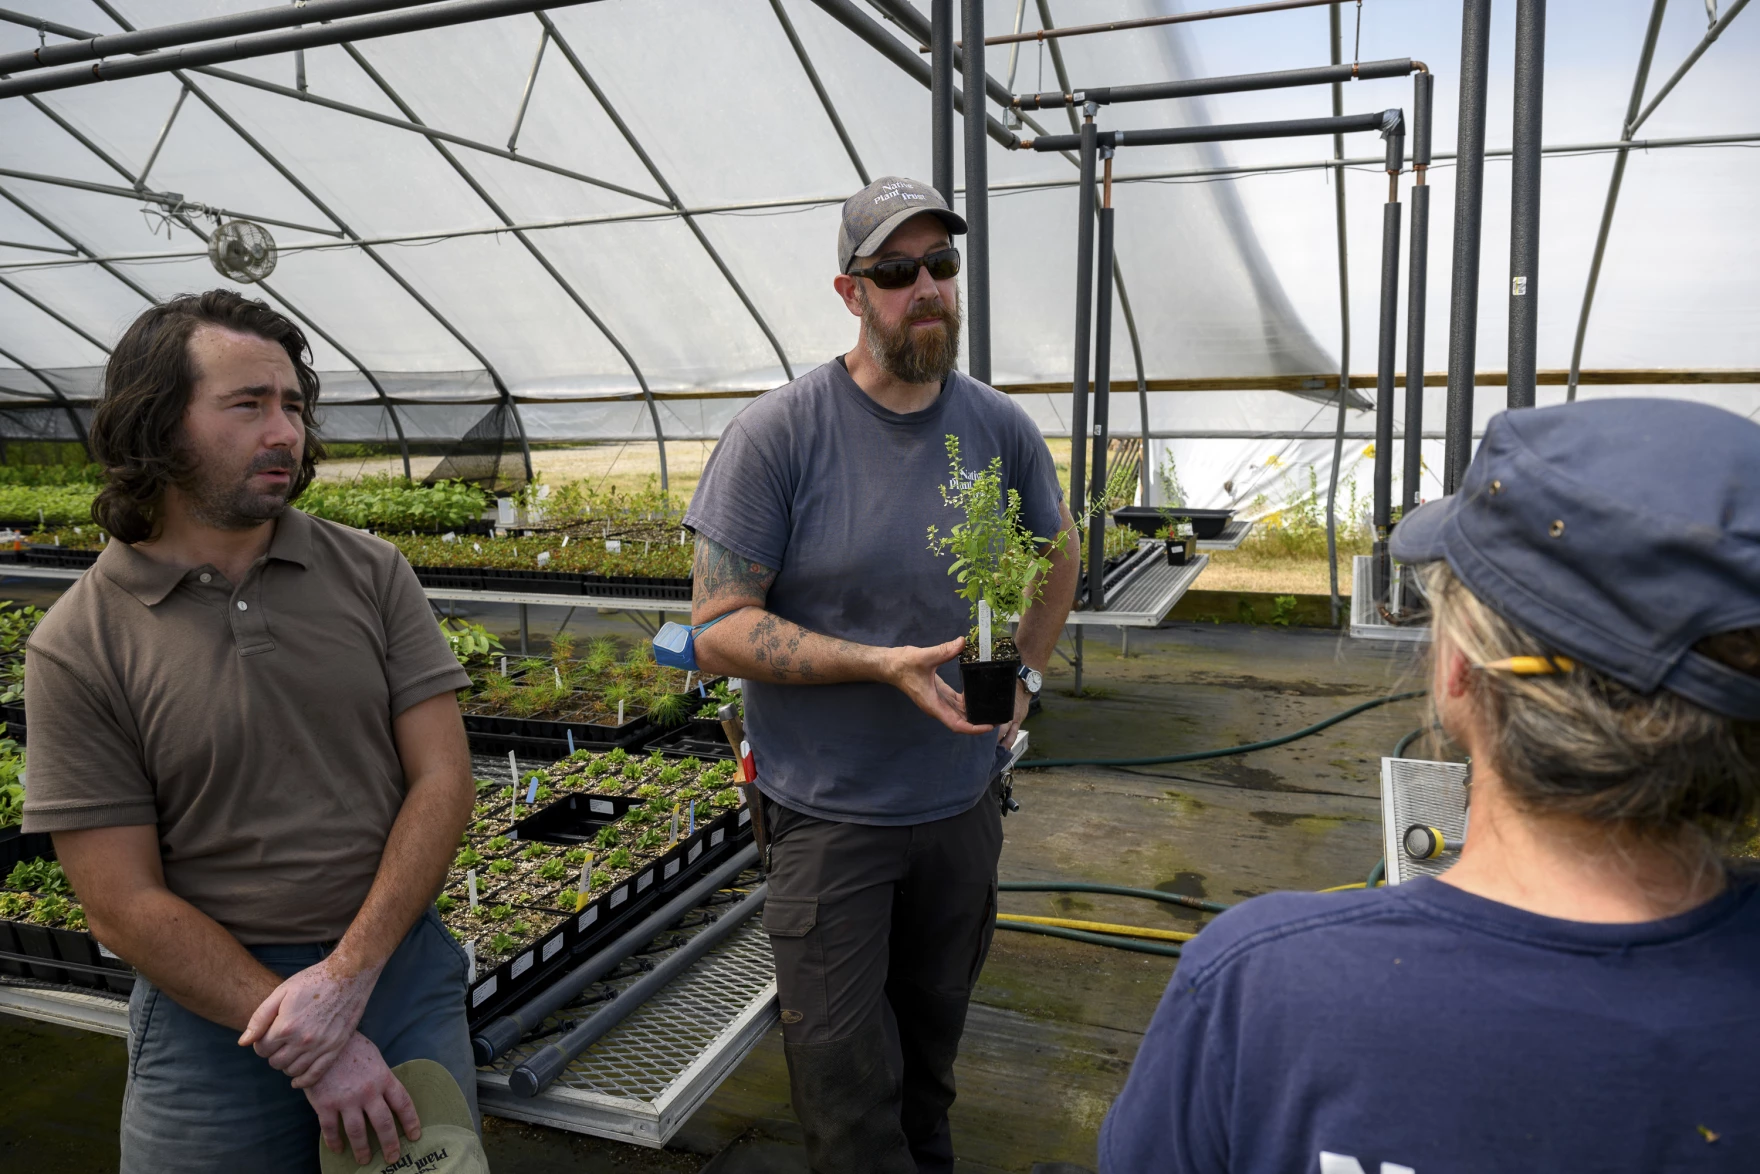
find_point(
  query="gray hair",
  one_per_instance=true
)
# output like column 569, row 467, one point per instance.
column 1580, row 743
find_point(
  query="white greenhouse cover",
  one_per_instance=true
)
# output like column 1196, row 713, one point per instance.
column 611, row 296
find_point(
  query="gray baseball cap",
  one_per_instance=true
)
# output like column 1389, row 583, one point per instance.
column 871, row 215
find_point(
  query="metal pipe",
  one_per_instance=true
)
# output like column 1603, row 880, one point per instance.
column 427, row 132
column 1317, row 75
column 1344, row 320
column 941, row 97
column 1386, row 351
column 57, row 396
column 864, row 26
column 976, row 265
column 1226, row 133
column 1082, row 30
column 1102, row 397
column 1524, row 200
column 1711, row 34
column 445, row 15
column 800, row 52
column 544, row 1066
column 1417, row 279
column 525, row 95
column 1078, row 417
column 89, row 48
column 1642, row 78
column 504, row 1031
column 1469, row 202
column 171, row 200
column 140, row 181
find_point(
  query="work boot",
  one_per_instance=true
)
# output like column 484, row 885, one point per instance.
column 846, row 1095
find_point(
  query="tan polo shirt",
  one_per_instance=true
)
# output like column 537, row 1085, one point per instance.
column 250, row 723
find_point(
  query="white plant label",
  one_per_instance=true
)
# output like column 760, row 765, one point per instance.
column 470, row 880
column 558, row 673
column 983, row 629
column 543, row 558
column 449, row 536
column 470, row 956
column 513, row 770
column 565, row 542
column 620, row 713
column 614, row 545
column 504, row 666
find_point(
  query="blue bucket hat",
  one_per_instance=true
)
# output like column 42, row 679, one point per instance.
column 1620, row 531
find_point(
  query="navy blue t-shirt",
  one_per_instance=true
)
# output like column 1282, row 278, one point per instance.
column 836, row 493
column 1422, row 1028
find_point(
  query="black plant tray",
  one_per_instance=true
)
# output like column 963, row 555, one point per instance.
column 450, row 578
column 566, row 820
column 531, row 582
column 550, row 739
column 576, row 935
column 16, row 846
column 67, row 956
column 1147, row 519
column 637, row 587
column 701, row 737
column 12, row 714
column 57, row 556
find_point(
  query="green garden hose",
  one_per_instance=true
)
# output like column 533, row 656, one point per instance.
column 1199, row 755
column 1113, row 890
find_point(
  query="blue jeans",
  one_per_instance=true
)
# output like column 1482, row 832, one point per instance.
column 198, row 1102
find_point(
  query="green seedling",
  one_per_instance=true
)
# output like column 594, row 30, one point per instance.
column 501, row 867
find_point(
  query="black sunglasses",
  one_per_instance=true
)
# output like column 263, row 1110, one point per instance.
column 900, row 272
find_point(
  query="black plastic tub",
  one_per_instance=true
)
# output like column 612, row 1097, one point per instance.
column 701, row 737
column 450, row 578
column 1148, row 519
column 576, row 934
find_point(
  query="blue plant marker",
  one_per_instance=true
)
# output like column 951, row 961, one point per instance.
column 532, row 792
column 701, row 692
column 570, row 734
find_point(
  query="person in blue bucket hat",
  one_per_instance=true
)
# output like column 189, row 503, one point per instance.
column 1580, row 988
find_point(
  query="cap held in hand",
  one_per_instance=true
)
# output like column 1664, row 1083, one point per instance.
column 449, row 1143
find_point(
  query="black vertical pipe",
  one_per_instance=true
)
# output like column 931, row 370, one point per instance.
column 1417, row 278
column 976, row 264
column 1469, row 194
column 1524, row 200
column 1102, row 404
column 941, row 95
column 1078, row 416
column 1386, row 352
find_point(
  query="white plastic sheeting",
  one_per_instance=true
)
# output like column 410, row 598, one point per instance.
column 1227, row 278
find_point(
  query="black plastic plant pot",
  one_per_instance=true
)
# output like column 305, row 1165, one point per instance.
column 1177, row 554
column 16, row 846
column 989, row 686
column 532, row 582
column 450, row 578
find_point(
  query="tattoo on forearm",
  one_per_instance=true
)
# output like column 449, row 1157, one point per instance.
column 776, row 644
column 719, row 572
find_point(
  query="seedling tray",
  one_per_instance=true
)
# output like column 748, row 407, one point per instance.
column 16, row 846
column 698, row 738
column 531, row 582
column 575, row 935
column 637, row 587
column 549, row 740
column 1147, row 519
column 450, row 578
column 60, row 557
column 67, row 956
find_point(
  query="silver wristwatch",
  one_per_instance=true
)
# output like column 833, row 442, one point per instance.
column 1032, row 678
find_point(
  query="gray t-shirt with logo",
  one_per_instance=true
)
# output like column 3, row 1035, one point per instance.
column 837, row 494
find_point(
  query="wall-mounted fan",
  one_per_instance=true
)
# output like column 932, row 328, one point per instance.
column 242, row 250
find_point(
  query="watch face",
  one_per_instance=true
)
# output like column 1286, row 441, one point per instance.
column 1034, row 680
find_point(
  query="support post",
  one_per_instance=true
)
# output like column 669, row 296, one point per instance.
column 1417, row 277
column 1102, row 396
column 941, row 95
column 1469, row 195
column 1344, row 323
column 1524, row 200
column 1384, row 365
column 977, row 247
column 1078, row 418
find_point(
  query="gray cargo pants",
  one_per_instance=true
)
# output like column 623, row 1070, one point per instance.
column 879, row 934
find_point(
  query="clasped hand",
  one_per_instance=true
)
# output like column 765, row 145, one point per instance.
column 309, row 1019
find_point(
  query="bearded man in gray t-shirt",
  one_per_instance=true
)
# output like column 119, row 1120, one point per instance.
column 883, row 835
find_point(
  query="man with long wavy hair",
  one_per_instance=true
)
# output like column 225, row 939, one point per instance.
column 246, row 741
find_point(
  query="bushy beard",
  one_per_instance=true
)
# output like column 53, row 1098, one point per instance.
column 909, row 354
column 226, row 501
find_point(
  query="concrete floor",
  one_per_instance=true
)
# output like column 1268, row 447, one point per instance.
column 1054, row 1025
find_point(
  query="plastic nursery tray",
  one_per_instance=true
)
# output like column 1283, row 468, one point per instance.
column 549, row 740
column 62, row 557
column 1121, row 569
column 701, row 737
column 637, row 587
column 71, row 957
column 1147, row 519
column 16, row 846
column 578, row 934
column 531, row 582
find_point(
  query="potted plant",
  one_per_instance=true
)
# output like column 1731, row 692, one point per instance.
column 1000, row 572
